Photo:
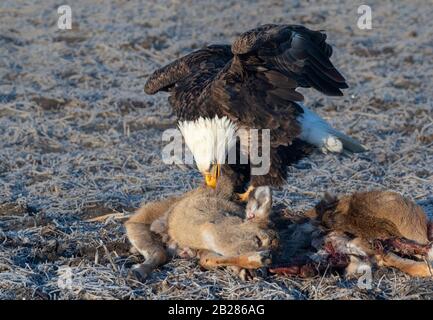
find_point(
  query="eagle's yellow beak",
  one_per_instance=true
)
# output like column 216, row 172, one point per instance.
column 212, row 176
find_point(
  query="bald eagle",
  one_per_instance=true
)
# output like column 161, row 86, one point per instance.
column 252, row 85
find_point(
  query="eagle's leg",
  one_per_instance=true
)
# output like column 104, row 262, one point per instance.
column 243, row 197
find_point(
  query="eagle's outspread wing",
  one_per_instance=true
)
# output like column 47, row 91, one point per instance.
column 298, row 53
column 209, row 58
column 258, row 87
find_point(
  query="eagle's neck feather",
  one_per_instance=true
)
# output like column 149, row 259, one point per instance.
column 209, row 140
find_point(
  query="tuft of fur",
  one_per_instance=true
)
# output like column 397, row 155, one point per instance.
column 209, row 140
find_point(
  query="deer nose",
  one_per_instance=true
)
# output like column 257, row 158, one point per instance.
column 250, row 215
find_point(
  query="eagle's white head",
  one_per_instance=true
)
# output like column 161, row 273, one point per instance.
column 209, row 141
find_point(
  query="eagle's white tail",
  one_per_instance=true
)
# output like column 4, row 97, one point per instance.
column 319, row 133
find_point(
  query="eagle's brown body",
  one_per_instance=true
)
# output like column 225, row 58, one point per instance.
column 253, row 83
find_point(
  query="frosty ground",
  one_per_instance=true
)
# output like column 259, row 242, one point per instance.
column 79, row 138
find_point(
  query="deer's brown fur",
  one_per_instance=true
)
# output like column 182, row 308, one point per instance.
column 354, row 222
column 203, row 219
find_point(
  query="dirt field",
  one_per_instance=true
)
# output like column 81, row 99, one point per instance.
column 79, row 138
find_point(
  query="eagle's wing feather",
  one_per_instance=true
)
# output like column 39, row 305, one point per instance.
column 214, row 56
column 257, row 100
column 258, row 87
column 297, row 52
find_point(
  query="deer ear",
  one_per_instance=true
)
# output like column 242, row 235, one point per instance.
column 263, row 195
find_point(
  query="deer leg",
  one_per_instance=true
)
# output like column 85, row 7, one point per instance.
column 307, row 270
column 251, row 260
column 242, row 273
column 143, row 240
column 148, row 245
column 411, row 267
column 405, row 246
column 300, row 266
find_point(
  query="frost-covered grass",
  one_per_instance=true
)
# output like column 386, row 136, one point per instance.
column 79, row 138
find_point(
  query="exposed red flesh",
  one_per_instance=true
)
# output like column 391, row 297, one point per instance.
column 335, row 261
column 403, row 246
column 303, row 271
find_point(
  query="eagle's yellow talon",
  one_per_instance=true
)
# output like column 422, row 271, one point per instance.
column 243, row 197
